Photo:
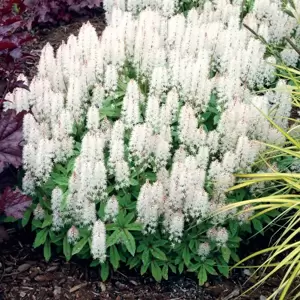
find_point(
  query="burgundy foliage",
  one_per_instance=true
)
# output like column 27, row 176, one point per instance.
column 53, row 11
column 13, row 35
column 13, row 203
column 11, row 138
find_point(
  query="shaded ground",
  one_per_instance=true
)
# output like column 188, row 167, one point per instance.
column 55, row 35
column 24, row 274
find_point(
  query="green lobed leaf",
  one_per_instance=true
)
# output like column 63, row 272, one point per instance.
column 134, row 227
column 47, row 221
column 146, row 257
column 67, row 249
column 134, row 182
column 55, row 237
column 94, row 263
column 233, row 226
column 194, row 267
column 40, row 238
column 128, row 218
column 186, row 255
column 156, row 271
column 79, row 245
column 111, row 227
column 211, row 270
column 223, row 267
column 104, row 271
column 181, row 267
column 141, row 248
column 114, row 238
column 26, row 217
column 202, row 275
column 258, row 226
column 133, row 262
column 114, row 257
column 157, row 253
column 129, row 241
column 47, row 250
column 165, row 270
column 234, row 256
column 226, row 253
column 36, row 223
column 173, row 268
column 144, row 269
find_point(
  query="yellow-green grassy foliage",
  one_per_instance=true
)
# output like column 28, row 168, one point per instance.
column 284, row 254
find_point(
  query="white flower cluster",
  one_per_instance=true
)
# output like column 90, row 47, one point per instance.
column 98, row 247
column 270, row 21
column 165, row 7
column 219, row 235
column 160, row 126
column 204, row 250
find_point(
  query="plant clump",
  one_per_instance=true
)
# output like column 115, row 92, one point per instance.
column 135, row 137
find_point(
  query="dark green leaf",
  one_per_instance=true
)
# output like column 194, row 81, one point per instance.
column 129, row 241
column 61, row 169
column 141, row 248
column 146, row 257
column 111, row 227
column 104, row 271
column 36, row 223
column 226, row 253
column 47, row 250
column 67, row 249
column 144, row 268
column 234, row 256
column 70, row 164
column 128, row 218
column 194, row 267
column 165, row 271
column 202, row 275
column 94, row 263
column 114, row 238
column 26, row 217
column 133, row 262
column 134, row 227
column 134, row 182
column 223, row 267
column 60, row 180
column 210, row 262
column 233, row 225
column 55, row 237
column 180, row 267
column 40, row 238
column 47, row 221
column 186, row 255
column 173, row 268
column 157, row 253
column 258, row 226
column 210, row 269
column 79, row 245
column 114, row 257
column 156, row 271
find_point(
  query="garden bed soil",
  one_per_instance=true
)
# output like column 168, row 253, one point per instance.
column 24, row 274
column 55, row 35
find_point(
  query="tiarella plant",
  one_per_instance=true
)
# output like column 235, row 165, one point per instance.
column 133, row 139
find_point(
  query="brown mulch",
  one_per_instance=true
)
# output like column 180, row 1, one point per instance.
column 24, row 274
column 55, row 36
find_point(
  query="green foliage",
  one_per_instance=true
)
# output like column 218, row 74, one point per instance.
column 126, row 244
